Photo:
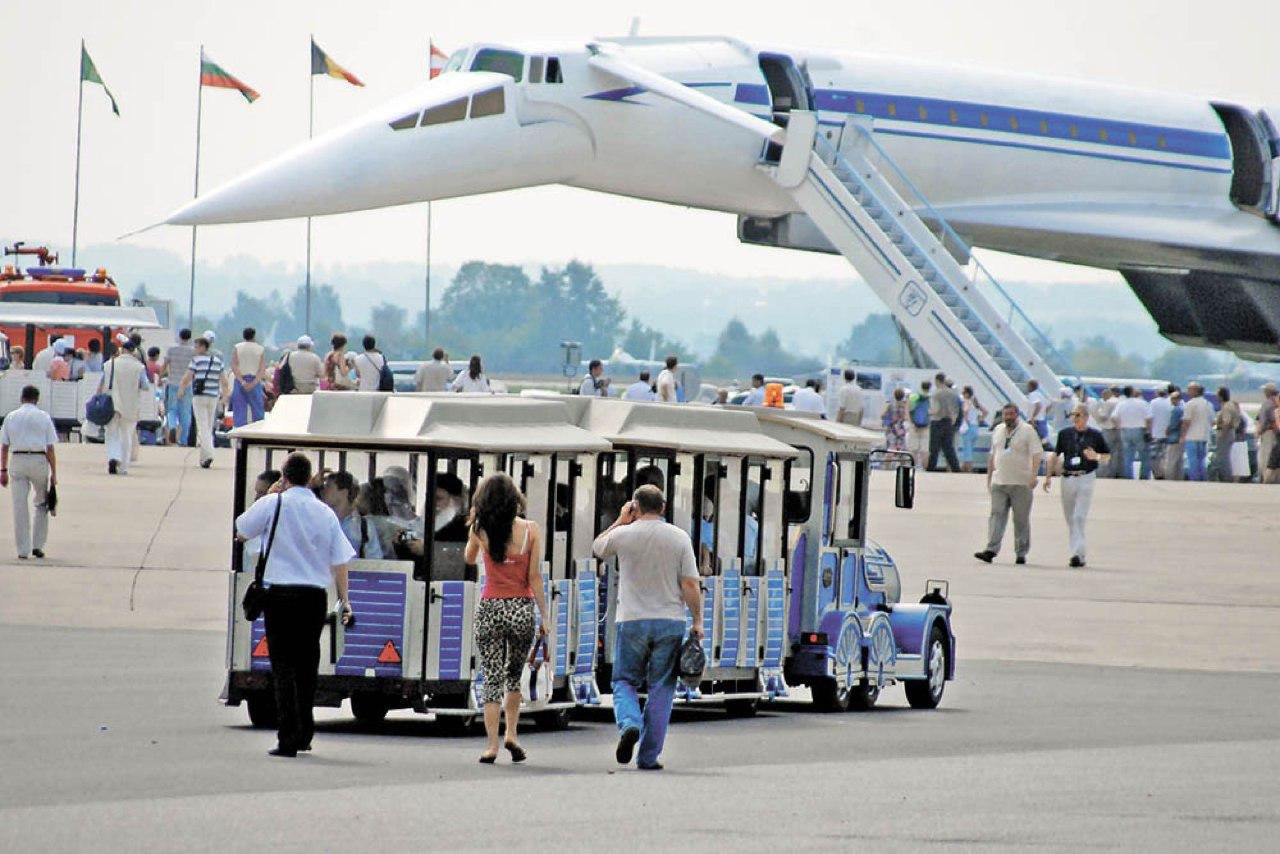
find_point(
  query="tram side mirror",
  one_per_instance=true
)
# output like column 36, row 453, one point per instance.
column 904, row 493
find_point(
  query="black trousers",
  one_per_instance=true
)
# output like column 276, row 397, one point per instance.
column 295, row 617
column 942, row 438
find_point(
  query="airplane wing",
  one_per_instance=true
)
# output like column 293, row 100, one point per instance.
column 604, row 59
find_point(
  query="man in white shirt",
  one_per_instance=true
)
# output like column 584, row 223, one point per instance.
column 306, row 549
column 1038, row 409
column 123, row 378
column 667, row 390
column 1131, row 417
column 1105, row 415
column 44, row 358
column 591, row 385
column 249, row 373
column 305, row 366
column 434, row 376
column 807, row 399
column 369, row 365
column 1197, row 422
column 850, row 404
column 640, row 389
column 755, row 397
column 28, row 464
column 1159, row 411
column 1012, row 473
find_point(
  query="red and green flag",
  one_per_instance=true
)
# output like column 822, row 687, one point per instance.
column 321, row 63
column 212, row 74
column 89, row 74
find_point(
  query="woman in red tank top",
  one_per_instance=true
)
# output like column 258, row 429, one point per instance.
column 512, row 586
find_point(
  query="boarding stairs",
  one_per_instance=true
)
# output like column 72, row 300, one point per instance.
column 963, row 319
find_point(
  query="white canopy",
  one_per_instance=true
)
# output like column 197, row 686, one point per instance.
column 93, row 316
column 694, row 429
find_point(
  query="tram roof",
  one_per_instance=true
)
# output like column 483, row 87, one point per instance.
column 694, row 429
column 809, row 422
column 474, row 423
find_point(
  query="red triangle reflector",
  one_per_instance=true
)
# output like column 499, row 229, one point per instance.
column 389, row 655
column 260, row 651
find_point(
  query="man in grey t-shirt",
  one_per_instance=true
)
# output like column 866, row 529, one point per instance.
column 657, row 578
column 177, row 403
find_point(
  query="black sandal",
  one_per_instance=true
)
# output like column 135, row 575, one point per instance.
column 516, row 751
column 488, row 758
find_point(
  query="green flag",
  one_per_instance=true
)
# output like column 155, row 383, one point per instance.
column 89, row 72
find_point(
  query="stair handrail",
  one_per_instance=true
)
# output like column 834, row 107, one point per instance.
column 1045, row 342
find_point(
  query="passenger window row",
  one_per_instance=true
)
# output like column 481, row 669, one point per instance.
column 491, row 102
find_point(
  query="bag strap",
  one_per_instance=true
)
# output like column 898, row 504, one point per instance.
column 364, row 534
column 112, row 383
column 265, row 550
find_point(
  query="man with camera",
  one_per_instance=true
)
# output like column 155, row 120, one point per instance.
column 304, row 549
column 205, row 378
column 657, row 578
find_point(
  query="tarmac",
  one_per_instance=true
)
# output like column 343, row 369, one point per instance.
column 1131, row 704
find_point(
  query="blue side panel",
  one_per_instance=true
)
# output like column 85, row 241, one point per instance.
column 751, row 622
column 378, row 602
column 849, row 579
column 451, row 622
column 708, row 619
column 731, row 616
column 826, row 581
column 565, row 588
column 910, row 623
column 799, row 579
column 588, row 604
column 775, row 636
column 256, row 634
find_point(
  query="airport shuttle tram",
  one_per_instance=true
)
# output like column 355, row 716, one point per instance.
column 775, row 504
column 412, row 644
column 849, row 633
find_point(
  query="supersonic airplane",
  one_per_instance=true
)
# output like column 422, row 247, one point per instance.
column 1178, row 194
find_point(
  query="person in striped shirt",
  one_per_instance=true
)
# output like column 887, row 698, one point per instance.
column 207, row 380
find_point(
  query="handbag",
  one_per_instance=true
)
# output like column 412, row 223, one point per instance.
column 535, row 681
column 693, row 660
column 100, row 409
column 197, row 386
column 255, row 595
column 285, row 383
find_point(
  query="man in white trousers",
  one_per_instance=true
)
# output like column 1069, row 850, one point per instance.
column 28, row 464
column 1080, row 448
column 207, row 381
column 123, row 379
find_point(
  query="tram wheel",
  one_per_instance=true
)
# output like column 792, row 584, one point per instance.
column 927, row 693
column 863, row 696
column 262, row 709
column 742, row 708
column 369, row 709
column 827, row 696
column 554, row 719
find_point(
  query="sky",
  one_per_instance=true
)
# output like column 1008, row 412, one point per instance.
column 137, row 168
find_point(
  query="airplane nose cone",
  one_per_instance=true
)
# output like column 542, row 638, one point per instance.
column 390, row 158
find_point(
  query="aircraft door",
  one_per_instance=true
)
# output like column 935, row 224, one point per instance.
column 1271, row 121
column 789, row 85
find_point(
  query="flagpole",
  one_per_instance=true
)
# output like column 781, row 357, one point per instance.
column 426, row 332
column 191, row 296
column 311, row 132
column 75, row 210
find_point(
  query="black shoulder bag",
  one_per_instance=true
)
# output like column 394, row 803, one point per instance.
column 255, row 595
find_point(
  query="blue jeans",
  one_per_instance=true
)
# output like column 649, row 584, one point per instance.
column 646, row 652
column 1133, row 441
column 1196, row 453
column 177, row 410
column 245, row 402
column 968, row 443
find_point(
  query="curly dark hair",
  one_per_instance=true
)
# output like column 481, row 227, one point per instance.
column 497, row 504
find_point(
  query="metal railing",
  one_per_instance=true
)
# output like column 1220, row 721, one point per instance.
column 981, row 278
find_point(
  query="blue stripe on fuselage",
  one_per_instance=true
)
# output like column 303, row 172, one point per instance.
column 1033, row 123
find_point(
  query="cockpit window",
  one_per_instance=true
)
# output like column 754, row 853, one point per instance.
column 553, row 70
column 455, row 62
column 487, row 103
column 505, row 62
column 535, row 69
column 450, row 111
column 409, row 121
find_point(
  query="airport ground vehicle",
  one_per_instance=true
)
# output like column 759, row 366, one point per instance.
column 47, row 285
column 775, row 503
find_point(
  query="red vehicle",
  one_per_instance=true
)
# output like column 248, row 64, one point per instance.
column 54, row 285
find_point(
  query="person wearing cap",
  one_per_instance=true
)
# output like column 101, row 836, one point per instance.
column 44, row 358
column 123, row 378
column 205, row 383
column 307, row 367
column 60, row 367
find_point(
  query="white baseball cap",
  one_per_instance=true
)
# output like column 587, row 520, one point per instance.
column 121, row 338
column 209, row 335
column 60, row 346
column 305, row 341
